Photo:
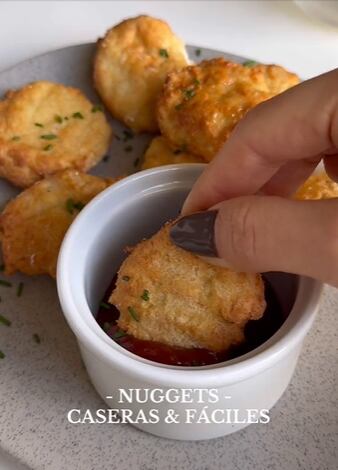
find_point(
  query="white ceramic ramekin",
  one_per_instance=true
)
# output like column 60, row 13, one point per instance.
column 90, row 255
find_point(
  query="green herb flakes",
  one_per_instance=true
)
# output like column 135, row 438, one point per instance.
column 36, row 338
column 58, row 119
column 5, row 283
column 189, row 93
column 250, row 63
column 119, row 334
column 48, row 136
column 164, row 53
column 127, row 135
column 20, row 289
column 5, row 321
column 179, row 106
column 198, row 52
column 71, row 206
column 78, row 115
column 126, row 278
column 133, row 313
column 38, row 124
column 16, row 138
column 145, row 295
column 48, row 147
column 2, row 355
column 105, row 305
column 97, row 108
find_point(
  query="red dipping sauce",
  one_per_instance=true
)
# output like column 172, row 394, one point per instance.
column 256, row 333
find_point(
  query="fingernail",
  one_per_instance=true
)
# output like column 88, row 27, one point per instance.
column 196, row 233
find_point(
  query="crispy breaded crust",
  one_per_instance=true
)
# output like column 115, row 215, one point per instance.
column 130, row 66
column 47, row 127
column 34, row 223
column 160, row 153
column 318, row 186
column 169, row 295
column 200, row 105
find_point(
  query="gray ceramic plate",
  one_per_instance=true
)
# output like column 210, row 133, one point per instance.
column 40, row 383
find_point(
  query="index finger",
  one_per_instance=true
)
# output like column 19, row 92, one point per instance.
column 298, row 124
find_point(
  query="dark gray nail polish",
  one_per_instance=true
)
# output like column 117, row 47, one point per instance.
column 196, row 233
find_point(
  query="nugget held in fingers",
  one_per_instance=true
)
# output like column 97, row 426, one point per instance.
column 160, row 153
column 130, row 66
column 172, row 296
column 200, row 105
column 318, row 186
column 47, row 127
column 33, row 225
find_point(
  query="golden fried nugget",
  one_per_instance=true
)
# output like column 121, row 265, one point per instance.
column 160, row 153
column 130, row 66
column 33, row 225
column 47, row 127
column 318, row 186
column 172, row 296
column 200, row 105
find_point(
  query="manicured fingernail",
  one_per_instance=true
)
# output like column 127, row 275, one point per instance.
column 196, row 233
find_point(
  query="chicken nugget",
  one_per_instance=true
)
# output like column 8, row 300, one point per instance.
column 200, row 105
column 130, row 66
column 318, row 186
column 169, row 295
column 160, row 153
column 47, row 127
column 32, row 225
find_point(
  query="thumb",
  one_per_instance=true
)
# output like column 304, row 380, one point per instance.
column 266, row 233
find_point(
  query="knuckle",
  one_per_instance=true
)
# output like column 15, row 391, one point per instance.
column 241, row 232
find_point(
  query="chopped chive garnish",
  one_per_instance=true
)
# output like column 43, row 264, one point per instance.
column 136, row 162
column 2, row 355
column 36, row 338
column 71, row 205
column 15, row 138
column 58, row 119
column 2, row 267
column 164, row 53
column 106, row 158
column 250, row 63
column 145, row 295
column 105, row 305
column 189, row 93
column 48, row 147
column 38, row 124
column 106, row 326
column 177, row 151
column 20, row 289
column 48, row 136
column 78, row 115
column 119, row 334
column 196, row 82
column 129, row 148
column 126, row 278
column 133, row 313
column 198, row 52
column 5, row 283
column 97, row 108
column 5, row 321
column 127, row 134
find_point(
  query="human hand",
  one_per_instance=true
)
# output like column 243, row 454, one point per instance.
column 271, row 152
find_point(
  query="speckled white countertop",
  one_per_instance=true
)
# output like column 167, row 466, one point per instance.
column 39, row 383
